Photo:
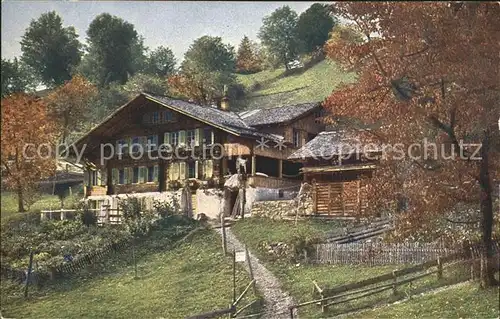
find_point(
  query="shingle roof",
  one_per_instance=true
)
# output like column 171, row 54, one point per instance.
column 276, row 115
column 329, row 144
column 211, row 115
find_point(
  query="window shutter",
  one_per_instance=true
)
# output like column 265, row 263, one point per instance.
column 86, row 179
column 196, row 170
column 130, row 175
column 143, row 140
column 171, row 172
column 114, row 176
column 182, row 169
column 198, row 136
column 166, row 138
column 176, row 171
column 141, row 178
column 182, row 138
column 104, row 177
column 209, row 166
column 155, row 173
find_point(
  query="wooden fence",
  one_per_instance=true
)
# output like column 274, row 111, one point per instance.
column 329, row 297
column 104, row 215
column 378, row 253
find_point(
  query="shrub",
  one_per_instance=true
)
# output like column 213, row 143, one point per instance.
column 255, row 86
column 164, row 208
column 304, row 243
column 237, row 91
column 86, row 216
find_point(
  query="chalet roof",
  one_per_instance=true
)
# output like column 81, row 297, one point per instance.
column 207, row 113
column 228, row 121
column 276, row 115
column 334, row 143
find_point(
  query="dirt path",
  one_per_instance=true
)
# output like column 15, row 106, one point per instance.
column 277, row 301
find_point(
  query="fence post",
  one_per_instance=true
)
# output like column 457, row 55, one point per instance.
column 28, row 275
column 223, row 228
column 439, row 268
column 106, row 219
column 394, row 282
column 61, row 214
column 250, row 269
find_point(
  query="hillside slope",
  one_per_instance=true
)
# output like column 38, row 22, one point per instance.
column 192, row 278
column 271, row 88
column 459, row 301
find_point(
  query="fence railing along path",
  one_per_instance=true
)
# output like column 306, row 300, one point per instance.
column 378, row 253
column 330, row 297
column 105, row 215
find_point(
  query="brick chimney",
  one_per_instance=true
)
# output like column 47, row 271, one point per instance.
column 224, row 103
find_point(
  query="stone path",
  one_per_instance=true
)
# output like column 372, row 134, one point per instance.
column 277, row 301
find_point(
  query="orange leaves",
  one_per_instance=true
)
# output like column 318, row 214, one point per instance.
column 70, row 104
column 25, row 121
column 426, row 71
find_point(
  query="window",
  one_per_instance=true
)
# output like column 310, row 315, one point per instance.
column 208, row 137
column 192, row 170
column 174, row 138
column 190, row 138
column 121, row 176
column 121, row 146
column 152, row 143
column 136, row 144
column 135, row 175
column 155, row 118
column 93, row 178
column 296, row 138
column 167, row 116
column 151, row 174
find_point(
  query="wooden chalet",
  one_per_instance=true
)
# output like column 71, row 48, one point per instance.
column 338, row 166
column 204, row 143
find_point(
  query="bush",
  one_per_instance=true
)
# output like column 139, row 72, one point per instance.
column 255, row 86
column 137, row 222
column 304, row 245
column 164, row 209
column 86, row 216
column 237, row 91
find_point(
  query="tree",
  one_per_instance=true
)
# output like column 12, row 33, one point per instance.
column 145, row 83
column 16, row 77
column 50, row 49
column 314, row 26
column 247, row 59
column 26, row 127
column 161, row 62
column 71, row 105
column 279, row 34
column 115, row 50
column 208, row 65
column 425, row 71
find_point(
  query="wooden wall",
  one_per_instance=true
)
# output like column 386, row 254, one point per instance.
column 340, row 198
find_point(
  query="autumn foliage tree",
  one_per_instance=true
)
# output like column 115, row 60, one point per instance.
column 70, row 105
column 427, row 71
column 247, row 58
column 26, row 127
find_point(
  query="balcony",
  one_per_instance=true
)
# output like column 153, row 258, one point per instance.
column 271, row 182
column 96, row 190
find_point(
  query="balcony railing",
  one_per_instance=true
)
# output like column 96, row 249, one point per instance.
column 271, row 182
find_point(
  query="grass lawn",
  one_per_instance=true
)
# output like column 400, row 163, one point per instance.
column 462, row 301
column 312, row 85
column 45, row 201
column 192, row 278
column 297, row 278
